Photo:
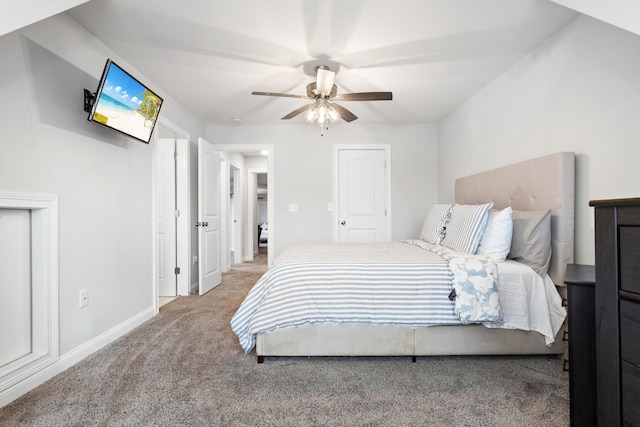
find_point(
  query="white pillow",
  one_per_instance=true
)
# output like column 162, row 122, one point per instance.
column 465, row 227
column 496, row 240
column 434, row 223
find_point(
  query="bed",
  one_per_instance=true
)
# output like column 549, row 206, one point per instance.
column 535, row 186
column 263, row 235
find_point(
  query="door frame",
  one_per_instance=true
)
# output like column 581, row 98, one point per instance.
column 336, row 184
column 233, row 211
column 250, row 226
column 183, row 230
column 252, row 208
column 166, row 188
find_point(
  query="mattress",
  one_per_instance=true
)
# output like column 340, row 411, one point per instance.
column 385, row 283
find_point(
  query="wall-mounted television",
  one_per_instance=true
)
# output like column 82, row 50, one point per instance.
column 123, row 103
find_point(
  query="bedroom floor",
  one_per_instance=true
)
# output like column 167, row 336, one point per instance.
column 259, row 259
column 164, row 383
column 262, row 256
column 165, row 300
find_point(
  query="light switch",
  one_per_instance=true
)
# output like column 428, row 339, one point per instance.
column 330, row 207
column 293, row 207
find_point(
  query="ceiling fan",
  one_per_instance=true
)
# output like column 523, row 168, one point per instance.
column 323, row 91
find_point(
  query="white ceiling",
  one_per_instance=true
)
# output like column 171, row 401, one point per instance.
column 210, row 54
column 18, row 14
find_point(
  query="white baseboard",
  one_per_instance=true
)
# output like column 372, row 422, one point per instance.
column 74, row 356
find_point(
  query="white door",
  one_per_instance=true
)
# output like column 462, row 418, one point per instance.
column 208, row 217
column 362, row 194
column 166, row 200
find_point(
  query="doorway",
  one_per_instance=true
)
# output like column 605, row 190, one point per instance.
column 234, row 216
column 166, row 205
column 247, row 207
column 262, row 197
column 172, row 239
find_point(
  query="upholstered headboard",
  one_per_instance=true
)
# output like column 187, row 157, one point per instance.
column 544, row 183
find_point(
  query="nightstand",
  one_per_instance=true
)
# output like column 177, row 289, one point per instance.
column 580, row 281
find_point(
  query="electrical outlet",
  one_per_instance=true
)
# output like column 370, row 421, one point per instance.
column 84, row 298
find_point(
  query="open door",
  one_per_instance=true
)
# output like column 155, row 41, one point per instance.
column 208, row 217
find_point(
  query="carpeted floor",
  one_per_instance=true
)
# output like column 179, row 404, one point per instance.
column 185, row 368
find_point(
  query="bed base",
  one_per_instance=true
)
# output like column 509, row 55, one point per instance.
column 390, row 340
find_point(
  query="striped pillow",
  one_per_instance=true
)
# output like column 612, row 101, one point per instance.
column 466, row 226
column 434, row 223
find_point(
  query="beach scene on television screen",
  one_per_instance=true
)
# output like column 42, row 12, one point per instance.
column 126, row 105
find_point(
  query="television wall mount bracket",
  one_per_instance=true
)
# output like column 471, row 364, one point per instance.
column 89, row 99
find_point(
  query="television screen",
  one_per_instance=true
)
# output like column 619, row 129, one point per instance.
column 124, row 104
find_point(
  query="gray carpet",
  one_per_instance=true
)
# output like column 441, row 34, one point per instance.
column 185, row 367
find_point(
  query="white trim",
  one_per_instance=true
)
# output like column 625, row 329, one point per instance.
column 225, row 262
column 74, row 356
column 184, row 220
column 44, row 287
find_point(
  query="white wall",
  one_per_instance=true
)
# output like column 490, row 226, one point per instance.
column 579, row 91
column 303, row 174
column 103, row 179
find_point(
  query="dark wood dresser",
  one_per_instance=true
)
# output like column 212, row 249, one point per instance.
column 617, row 290
column 581, row 321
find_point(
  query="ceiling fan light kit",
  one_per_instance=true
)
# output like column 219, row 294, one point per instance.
column 323, row 90
column 324, row 80
column 321, row 112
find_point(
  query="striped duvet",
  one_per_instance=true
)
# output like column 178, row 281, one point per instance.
column 385, row 283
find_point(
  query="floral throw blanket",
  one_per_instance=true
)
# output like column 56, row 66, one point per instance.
column 474, row 283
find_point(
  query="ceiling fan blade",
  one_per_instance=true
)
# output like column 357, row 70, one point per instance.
column 285, row 95
column 298, row 111
column 365, row 96
column 345, row 114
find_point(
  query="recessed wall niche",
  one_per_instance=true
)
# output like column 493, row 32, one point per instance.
column 29, row 285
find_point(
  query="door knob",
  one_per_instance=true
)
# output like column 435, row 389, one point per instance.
column 205, row 224
column 343, row 222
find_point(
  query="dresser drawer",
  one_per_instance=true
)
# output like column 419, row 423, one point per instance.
column 630, row 332
column 630, row 394
column 630, row 259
